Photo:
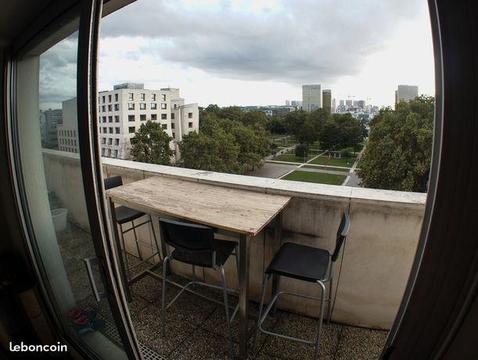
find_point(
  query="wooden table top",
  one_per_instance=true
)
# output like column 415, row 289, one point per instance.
column 236, row 210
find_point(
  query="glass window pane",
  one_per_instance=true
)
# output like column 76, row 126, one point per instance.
column 52, row 177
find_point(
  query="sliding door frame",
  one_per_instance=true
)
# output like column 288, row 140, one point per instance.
column 56, row 14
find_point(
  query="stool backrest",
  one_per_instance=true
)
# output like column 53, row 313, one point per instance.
column 113, row 182
column 187, row 236
column 341, row 235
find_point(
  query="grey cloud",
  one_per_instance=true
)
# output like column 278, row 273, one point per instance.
column 58, row 68
column 306, row 40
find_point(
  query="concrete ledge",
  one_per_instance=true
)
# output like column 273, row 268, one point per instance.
column 276, row 186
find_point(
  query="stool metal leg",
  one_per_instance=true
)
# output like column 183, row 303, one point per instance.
column 155, row 237
column 226, row 308
column 136, row 240
column 329, row 305
column 163, row 298
column 125, row 252
column 321, row 318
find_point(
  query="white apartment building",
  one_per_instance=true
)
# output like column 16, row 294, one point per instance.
column 311, row 97
column 122, row 110
column 67, row 127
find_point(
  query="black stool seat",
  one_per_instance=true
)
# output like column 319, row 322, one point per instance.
column 223, row 248
column 300, row 262
column 125, row 214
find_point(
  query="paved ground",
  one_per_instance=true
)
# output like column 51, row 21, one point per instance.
column 273, row 170
column 353, row 180
column 196, row 329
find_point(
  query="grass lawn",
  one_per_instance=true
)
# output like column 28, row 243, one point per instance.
column 327, row 168
column 291, row 157
column 324, row 160
column 315, row 177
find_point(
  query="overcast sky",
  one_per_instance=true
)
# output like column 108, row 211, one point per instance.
column 261, row 52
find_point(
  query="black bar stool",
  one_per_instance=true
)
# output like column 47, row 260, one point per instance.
column 195, row 245
column 124, row 215
column 307, row 264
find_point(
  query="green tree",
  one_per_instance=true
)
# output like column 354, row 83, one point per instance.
column 302, row 126
column 341, row 131
column 277, row 125
column 228, row 141
column 398, row 152
column 150, row 144
column 212, row 152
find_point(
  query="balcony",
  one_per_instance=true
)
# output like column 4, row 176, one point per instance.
column 376, row 263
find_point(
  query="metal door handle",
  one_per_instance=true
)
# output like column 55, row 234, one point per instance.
column 98, row 295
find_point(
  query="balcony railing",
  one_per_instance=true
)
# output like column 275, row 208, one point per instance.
column 377, row 257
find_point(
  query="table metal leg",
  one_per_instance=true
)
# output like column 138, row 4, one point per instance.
column 124, row 275
column 243, row 294
column 278, row 243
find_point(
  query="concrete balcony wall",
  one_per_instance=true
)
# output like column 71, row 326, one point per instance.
column 378, row 254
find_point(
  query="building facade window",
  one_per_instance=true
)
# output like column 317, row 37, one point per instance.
column 110, row 108
column 142, row 117
column 117, row 130
column 110, row 141
column 153, row 97
column 165, row 126
column 190, row 115
column 103, row 108
column 154, row 106
column 154, row 117
column 190, row 125
column 111, row 130
column 163, row 97
column 130, row 96
column 131, row 130
column 116, row 97
column 164, row 106
column 130, row 117
column 104, row 99
column 130, row 106
column 116, row 107
column 164, row 116
column 143, row 96
column 116, row 118
column 142, row 106
column 109, row 98
column 104, row 119
column 172, row 116
column 110, row 118
column 172, row 126
column 116, row 142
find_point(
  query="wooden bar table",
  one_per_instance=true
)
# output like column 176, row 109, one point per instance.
column 243, row 212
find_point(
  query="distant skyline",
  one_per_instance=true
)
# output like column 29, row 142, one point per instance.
column 261, row 52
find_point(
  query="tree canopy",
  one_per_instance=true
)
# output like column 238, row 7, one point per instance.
column 341, row 131
column 398, row 153
column 229, row 140
column 150, row 144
